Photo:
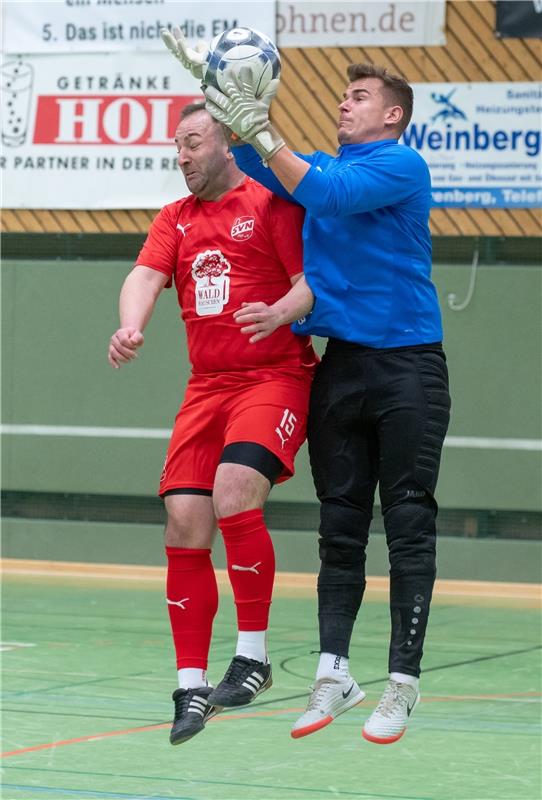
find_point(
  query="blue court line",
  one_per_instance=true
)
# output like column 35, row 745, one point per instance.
column 210, row 782
column 83, row 793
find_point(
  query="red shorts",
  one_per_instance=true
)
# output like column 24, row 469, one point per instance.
column 270, row 411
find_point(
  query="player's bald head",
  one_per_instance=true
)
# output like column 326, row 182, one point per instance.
column 198, row 111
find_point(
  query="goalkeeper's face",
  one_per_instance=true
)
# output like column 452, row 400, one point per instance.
column 203, row 155
column 365, row 114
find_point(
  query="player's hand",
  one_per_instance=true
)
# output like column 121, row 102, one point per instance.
column 123, row 346
column 257, row 319
column 244, row 113
column 192, row 60
column 241, row 112
column 268, row 93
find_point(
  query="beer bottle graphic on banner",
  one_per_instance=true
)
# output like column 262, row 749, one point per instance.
column 16, row 90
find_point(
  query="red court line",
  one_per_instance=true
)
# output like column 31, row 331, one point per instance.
column 461, row 697
column 91, row 738
column 96, row 736
column 249, row 715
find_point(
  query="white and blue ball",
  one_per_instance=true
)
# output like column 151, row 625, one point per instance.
column 241, row 47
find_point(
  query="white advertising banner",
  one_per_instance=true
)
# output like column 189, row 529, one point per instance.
column 481, row 142
column 339, row 23
column 92, row 131
column 96, row 131
column 93, row 26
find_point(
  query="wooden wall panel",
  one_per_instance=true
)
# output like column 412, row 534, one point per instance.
column 305, row 111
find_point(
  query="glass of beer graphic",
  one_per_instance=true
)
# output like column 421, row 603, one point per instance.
column 16, row 80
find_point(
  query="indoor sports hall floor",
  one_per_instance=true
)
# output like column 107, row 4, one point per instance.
column 88, row 674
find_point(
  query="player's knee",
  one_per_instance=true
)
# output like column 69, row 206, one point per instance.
column 411, row 535
column 185, row 529
column 235, row 501
column 343, row 536
column 238, row 488
column 227, row 505
column 178, row 533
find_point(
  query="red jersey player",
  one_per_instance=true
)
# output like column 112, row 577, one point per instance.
column 243, row 417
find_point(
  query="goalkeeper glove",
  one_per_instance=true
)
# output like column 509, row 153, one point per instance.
column 244, row 113
column 192, row 60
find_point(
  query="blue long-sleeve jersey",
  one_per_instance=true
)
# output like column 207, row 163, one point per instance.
column 367, row 247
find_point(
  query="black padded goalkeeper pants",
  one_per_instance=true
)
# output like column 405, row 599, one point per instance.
column 378, row 417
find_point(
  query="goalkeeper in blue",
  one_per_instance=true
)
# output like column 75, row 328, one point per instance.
column 380, row 403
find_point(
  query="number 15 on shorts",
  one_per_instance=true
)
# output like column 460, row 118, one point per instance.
column 286, row 427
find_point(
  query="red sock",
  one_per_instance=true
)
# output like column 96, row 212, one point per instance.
column 251, row 567
column 192, row 601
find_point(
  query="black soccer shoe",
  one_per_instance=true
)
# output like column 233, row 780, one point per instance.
column 244, row 679
column 192, row 710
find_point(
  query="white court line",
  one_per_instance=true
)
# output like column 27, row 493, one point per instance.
column 87, row 431
column 486, row 443
column 466, row 442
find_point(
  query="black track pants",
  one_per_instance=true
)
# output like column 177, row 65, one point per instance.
column 378, row 417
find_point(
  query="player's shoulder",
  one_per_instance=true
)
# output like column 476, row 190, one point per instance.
column 172, row 211
column 266, row 199
column 255, row 189
column 416, row 163
column 177, row 206
column 407, row 155
column 399, row 159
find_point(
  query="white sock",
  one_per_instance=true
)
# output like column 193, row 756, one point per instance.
column 332, row 666
column 191, row 678
column 252, row 644
column 400, row 677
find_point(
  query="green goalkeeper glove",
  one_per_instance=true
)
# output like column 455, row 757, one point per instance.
column 192, row 60
column 244, row 113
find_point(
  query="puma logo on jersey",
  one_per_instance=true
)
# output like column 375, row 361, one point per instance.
column 239, row 568
column 179, row 603
column 183, row 228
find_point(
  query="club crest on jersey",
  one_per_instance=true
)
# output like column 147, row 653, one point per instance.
column 212, row 290
column 242, row 228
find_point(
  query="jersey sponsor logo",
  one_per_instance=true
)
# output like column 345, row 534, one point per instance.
column 242, row 228
column 212, row 289
column 286, row 427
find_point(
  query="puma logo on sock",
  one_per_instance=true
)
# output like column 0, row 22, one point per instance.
column 239, row 568
column 179, row 603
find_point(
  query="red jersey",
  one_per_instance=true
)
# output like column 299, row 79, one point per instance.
column 244, row 247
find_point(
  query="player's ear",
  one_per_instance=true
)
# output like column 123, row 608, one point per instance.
column 394, row 115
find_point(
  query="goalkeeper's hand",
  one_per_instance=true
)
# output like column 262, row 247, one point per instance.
column 192, row 60
column 245, row 114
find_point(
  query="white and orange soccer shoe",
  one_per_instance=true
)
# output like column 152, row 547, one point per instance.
column 329, row 698
column 388, row 721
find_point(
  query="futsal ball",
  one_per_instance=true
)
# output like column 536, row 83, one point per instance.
column 241, row 47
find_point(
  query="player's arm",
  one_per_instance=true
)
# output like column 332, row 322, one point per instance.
column 138, row 297
column 259, row 320
column 288, row 168
column 249, row 161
